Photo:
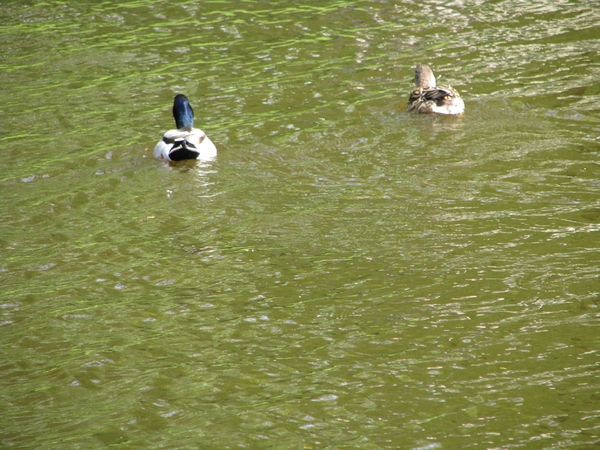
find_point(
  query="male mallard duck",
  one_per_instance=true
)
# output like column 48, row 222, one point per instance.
column 429, row 98
column 186, row 142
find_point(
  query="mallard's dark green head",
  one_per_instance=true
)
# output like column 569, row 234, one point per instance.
column 183, row 113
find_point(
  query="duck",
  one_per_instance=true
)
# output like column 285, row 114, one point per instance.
column 185, row 142
column 428, row 98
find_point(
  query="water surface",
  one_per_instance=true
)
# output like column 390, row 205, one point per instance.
column 344, row 275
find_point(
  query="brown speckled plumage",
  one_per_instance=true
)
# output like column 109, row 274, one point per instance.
column 429, row 98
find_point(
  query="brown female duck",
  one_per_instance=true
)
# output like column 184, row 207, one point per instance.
column 429, row 98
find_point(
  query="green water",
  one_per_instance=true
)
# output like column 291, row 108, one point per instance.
column 344, row 275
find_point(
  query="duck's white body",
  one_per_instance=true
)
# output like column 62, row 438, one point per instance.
column 177, row 145
column 185, row 142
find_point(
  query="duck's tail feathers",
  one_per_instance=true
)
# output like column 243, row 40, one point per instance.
column 183, row 149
